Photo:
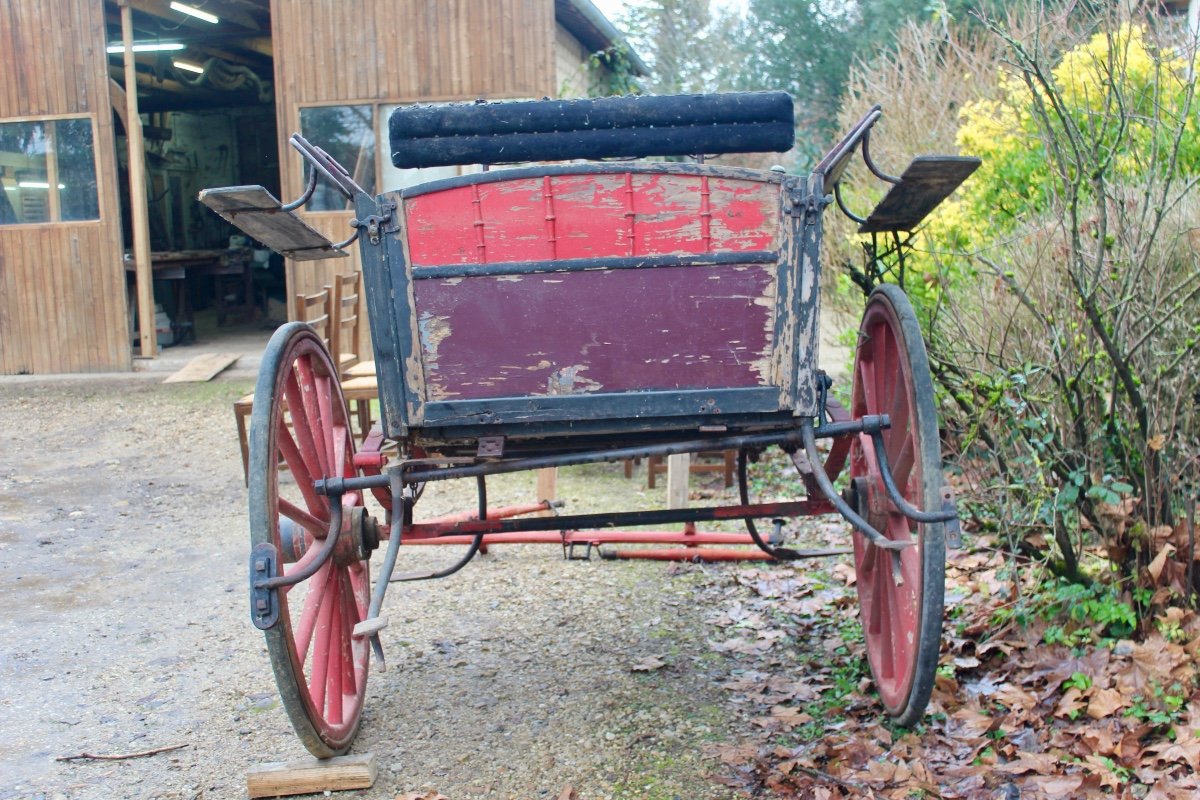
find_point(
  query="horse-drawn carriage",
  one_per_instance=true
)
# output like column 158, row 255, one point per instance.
column 579, row 311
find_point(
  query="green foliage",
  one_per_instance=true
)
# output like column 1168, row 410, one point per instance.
column 1053, row 287
column 1080, row 614
column 611, row 72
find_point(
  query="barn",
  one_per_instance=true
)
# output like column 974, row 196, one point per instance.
column 171, row 97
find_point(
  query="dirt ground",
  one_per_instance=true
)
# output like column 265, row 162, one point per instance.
column 123, row 540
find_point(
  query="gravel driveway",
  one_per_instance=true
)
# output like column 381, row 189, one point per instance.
column 123, row 539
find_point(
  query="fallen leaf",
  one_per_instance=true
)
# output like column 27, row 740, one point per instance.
column 1104, row 702
column 568, row 793
column 1156, row 566
column 731, row 754
column 1060, row 786
column 648, row 664
column 1038, row 763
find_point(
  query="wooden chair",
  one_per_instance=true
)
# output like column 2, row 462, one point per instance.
column 345, row 321
column 315, row 309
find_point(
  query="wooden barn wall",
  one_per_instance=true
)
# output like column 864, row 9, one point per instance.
column 62, row 285
column 397, row 51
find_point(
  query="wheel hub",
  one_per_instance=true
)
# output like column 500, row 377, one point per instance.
column 359, row 537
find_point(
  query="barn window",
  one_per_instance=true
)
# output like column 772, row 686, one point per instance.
column 394, row 178
column 348, row 134
column 48, row 171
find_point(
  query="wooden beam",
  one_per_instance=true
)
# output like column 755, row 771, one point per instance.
column 162, row 9
column 139, row 213
column 311, row 776
column 678, row 468
column 547, row 487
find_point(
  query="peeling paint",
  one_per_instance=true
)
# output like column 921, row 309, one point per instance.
column 567, row 380
column 433, row 331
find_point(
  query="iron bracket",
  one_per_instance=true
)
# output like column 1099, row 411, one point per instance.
column 383, row 222
column 569, row 550
column 264, row 602
column 490, row 447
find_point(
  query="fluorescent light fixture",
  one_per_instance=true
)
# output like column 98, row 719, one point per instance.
column 38, row 185
column 191, row 11
column 189, row 66
column 146, row 47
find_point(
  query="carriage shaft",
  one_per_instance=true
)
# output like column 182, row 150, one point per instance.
column 589, row 522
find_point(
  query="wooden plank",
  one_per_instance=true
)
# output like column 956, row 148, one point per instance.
column 926, row 182
column 547, row 487
column 256, row 211
column 677, row 480
column 311, row 775
column 202, row 368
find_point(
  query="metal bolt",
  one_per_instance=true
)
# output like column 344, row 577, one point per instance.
column 261, row 605
column 260, row 565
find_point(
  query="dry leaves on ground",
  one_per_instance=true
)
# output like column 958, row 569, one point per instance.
column 1011, row 716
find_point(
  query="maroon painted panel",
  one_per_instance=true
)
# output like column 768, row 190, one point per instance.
column 591, row 216
column 596, row 331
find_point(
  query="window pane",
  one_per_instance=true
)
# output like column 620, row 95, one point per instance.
column 48, row 172
column 76, row 169
column 401, row 178
column 346, row 133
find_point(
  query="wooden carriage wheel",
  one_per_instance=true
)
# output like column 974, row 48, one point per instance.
column 300, row 420
column 901, row 604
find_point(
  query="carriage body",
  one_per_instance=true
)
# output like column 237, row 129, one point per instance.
column 556, row 305
column 579, row 312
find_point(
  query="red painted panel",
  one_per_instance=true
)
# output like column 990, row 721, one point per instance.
column 441, row 227
column 591, row 216
column 745, row 215
column 514, row 221
column 596, row 331
column 591, row 219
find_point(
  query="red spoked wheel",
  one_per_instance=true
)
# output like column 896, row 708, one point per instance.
column 300, row 433
column 901, row 602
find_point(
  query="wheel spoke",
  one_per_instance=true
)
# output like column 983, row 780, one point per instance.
column 866, row 369
column 340, row 436
column 877, row 596
column 350, row 618
column 302, row 518
column 328, row 425
column 333, row 695
column 316, row 586
column 302, row 421
column 312, row 412
column 320, row 656
column 901, row 464
column 317, row 505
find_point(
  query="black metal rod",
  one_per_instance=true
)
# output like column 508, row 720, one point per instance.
column 779, row 553
column 472, row 549
column 837, row 195
column 831, row 165
column 575, row 522
column 889, row 483
column 342, row 245
column 389, row 559
column 876, row 171
column 308, row 193
column 789, row 437
column 831, row 494
column 335, row 173
column 327, row 547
